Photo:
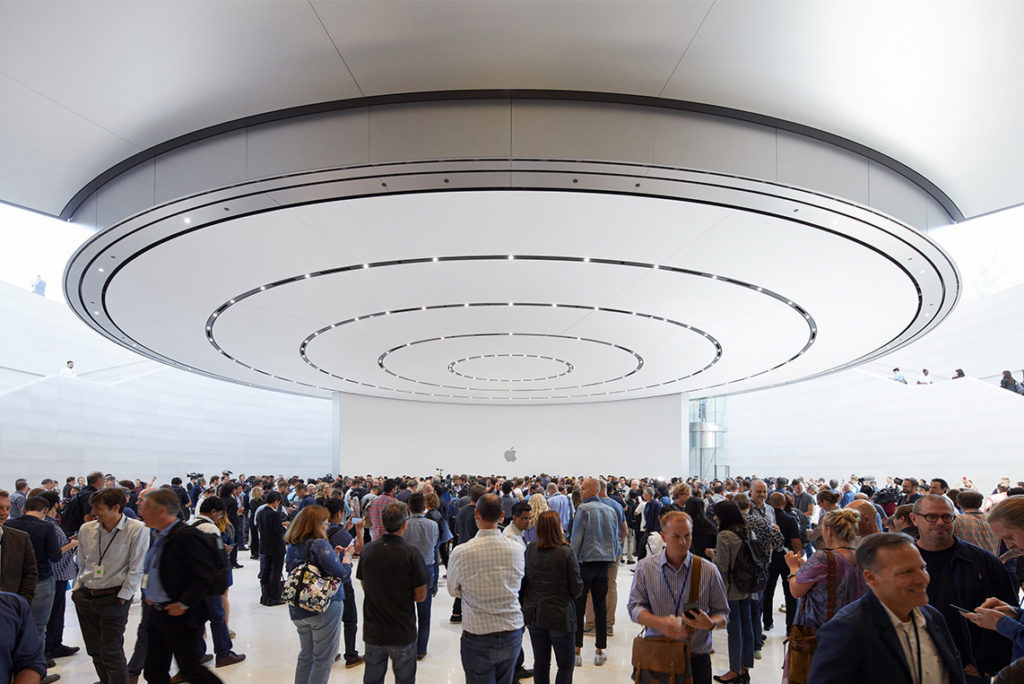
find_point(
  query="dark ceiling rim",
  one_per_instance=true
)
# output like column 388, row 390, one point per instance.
column 874, row 155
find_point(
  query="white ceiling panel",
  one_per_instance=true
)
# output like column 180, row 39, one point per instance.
column 404, row 46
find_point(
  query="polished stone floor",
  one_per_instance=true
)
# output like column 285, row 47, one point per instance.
column 270, row 643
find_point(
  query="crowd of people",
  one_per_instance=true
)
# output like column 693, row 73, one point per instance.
column 907, row 580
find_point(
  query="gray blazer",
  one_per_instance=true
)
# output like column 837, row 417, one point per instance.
column 726, row 549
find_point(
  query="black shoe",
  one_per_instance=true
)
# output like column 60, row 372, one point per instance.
column 49, row 678
column 523, row 673
column 238, row 566
column 278, row 602
column 50, row 662
column 243, row 548
column 455, row 618
column 420, row 657
column 352, row 661
column 63, row 651
column 206, row 658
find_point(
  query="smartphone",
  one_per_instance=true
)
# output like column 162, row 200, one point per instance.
column 958, row 608
column 691, row 610
column 356, row 520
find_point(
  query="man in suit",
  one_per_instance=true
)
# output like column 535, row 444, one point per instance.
column 18, row 573
column 890, row 634
column 180, row 572
column 271, row 533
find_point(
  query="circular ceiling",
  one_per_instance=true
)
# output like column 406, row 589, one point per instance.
column 557, row 283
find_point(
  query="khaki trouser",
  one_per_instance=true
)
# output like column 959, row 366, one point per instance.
column 612, row 598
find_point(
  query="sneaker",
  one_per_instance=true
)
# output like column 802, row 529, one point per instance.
column 757, row 654
column 579, row 660
column 353, row 661
column 600, row 658
column 610, row 631
column 588, row 629
column 230, row 659
column 455, row 618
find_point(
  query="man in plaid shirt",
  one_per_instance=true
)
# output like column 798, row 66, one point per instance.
column 376, row 508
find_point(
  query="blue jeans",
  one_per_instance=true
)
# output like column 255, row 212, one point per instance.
column 423, row 615
column 403, row 663
column 318, row 644
column 741, row 635
column 218, row 628
column 755, row 608
column 543, row 641
column 41, row 605
column 491, row 659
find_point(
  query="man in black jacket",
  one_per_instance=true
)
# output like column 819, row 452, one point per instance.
column 180, row 572
column 18, row 573
column 466, row 529
column 271, row 533
column 74, row 513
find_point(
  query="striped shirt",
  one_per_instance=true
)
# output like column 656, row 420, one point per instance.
column 972, row 527
column 421, row 534
column 656, row 582
column 487, row 572
column 66, row 569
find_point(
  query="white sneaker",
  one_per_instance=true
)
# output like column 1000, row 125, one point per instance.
column 579, row 660
column 757, row 655
column 600, row 658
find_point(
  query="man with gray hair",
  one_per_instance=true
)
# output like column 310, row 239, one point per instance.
column 962, row 575
column 890, row 634
column 560, row 504
column 394, row 578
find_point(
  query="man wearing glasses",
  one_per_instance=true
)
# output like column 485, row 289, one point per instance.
column 962, row 575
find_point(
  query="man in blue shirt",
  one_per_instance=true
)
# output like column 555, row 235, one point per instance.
column 21, row 654
column 595, row 540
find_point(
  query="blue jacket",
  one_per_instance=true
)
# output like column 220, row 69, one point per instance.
column 860, row 644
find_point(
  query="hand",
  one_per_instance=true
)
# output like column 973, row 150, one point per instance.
column 672, row 628
column 1002, row 606
column 776, row 528
column 710, row 553
column 972, row 671
column 74, row 543
column 176, row 609
column 701, row 621
column 985, row 618
column 793, row 561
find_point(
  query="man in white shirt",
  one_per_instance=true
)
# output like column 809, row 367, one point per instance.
column 111, row 555
column 522, row 520
column 486, row 572
column 890, row 634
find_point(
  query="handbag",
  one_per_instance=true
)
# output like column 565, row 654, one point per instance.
column 306, row 587
column 663, row 655
column 802, row 641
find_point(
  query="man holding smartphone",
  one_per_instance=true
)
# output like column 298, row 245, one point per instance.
column 341, row 538
column 660, row 597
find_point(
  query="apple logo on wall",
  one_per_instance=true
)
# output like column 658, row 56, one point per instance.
column 510, row 455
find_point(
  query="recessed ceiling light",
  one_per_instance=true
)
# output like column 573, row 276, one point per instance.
column 188, row 220
column 96, row 313
column 586, row 259
column 511, row 257
column 434, row 259
column 366, row 265
column 100, row 270
column 306, row 276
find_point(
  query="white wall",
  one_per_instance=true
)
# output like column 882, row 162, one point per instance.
column 638, row 437
column 132, row 417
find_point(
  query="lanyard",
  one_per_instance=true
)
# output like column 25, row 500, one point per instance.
column 682, row 591
column 917, row 639
column 103, row 551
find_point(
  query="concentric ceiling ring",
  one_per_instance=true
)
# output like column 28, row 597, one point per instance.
column 680, row 284
column 567, row 367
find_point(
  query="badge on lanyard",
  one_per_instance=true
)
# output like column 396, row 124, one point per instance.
column 98, row 572
column 145, row 580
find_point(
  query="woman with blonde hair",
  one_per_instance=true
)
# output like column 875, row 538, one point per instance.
column 538, row 504
column 1007, row 520
column 823, row 583
column 319, row 633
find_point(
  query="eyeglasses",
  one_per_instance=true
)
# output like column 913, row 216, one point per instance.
column 935, row 517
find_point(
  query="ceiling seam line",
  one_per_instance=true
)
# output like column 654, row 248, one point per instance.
column 72, row 111
column 686, row 49
column 336, row 49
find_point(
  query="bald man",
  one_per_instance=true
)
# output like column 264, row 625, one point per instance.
column 790, row 529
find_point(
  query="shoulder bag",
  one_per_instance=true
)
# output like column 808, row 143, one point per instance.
column 802, row 641
column 306, row 587
column 663, row 655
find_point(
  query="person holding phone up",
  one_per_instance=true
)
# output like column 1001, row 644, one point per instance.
column 662, row 598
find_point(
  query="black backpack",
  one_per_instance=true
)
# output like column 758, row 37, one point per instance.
column 748, row 573
column 221, row 564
